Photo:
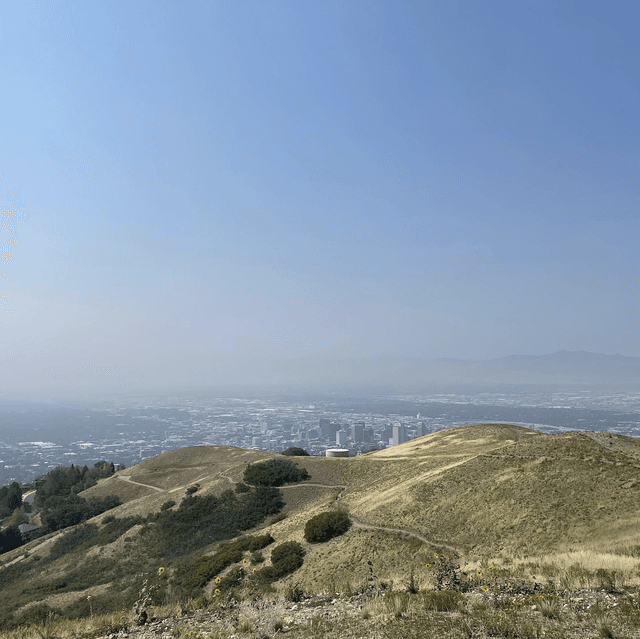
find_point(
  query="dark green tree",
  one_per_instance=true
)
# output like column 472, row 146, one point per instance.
column 14, row 496
column 295, row 451
column 10, row 538
column 274, row 472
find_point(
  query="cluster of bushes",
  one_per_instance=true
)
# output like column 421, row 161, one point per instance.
column 175, row 531
column 61, row 482
column 206, row 568
column 88, row 535
column 274, row 472
column 57, row 498
column 326, row 526
column 191, row 577
column 202, row 520
column 62, row 512
column 197, row 522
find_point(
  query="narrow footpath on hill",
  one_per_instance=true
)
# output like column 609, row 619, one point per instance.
column 302, row 485
column 138, row 483
column 356, row 522
column 400, row 531
column 394, row 531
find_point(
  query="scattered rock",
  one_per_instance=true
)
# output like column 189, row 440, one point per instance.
column 141, row 619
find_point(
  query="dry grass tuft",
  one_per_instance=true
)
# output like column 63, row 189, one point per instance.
column 245, row 625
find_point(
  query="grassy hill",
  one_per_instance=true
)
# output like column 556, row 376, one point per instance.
column 505, row 489
column 511, row 506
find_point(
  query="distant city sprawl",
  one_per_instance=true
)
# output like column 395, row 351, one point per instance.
column 37, row 438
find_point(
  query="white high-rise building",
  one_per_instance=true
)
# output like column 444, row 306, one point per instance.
column 399, row 434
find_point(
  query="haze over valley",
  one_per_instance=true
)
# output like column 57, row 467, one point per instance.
column 127, row 429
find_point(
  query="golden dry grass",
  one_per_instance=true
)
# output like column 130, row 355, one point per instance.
column 342, row 564
column 175, row 470
column 522, row 490
column 529, row 502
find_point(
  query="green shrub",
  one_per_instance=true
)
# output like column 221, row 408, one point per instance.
column 265, row 575
column 279, row 517
column 294, row 451
column 232, row 579
column 259, row 542
column 274, row 472
column 209, row 567
column 73, row 540
column 326, row 526
column 167, row 504
column 289, row 552
column 285, row 559
column 115, row 528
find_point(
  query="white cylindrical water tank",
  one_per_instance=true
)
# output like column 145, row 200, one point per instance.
column 337, row 452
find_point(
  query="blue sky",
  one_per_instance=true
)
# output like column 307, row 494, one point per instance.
column 210, row 191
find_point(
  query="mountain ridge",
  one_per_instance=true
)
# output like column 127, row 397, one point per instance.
column 560, row 367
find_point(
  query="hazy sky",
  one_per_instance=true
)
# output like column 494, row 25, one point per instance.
column 210, row 190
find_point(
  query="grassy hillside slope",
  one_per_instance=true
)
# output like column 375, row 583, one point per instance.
column 494, row 496
column 494, row 488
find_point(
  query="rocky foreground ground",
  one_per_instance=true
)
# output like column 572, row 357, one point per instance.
column 578, row 614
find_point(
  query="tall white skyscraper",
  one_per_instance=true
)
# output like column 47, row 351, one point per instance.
column 399, row 434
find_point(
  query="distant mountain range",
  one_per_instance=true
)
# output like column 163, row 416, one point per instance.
column 562, row 367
